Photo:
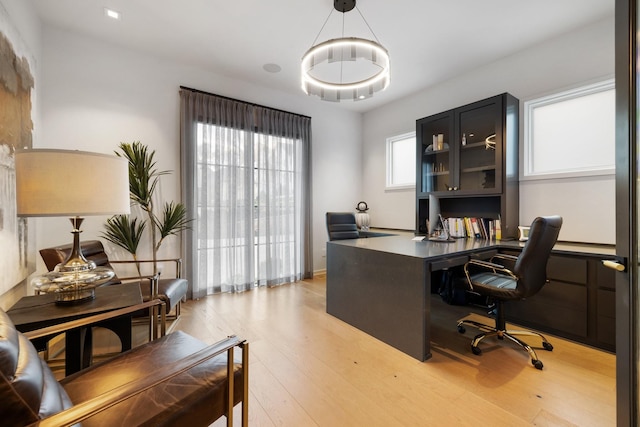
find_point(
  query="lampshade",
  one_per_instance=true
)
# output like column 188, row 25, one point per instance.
column 73, row 184
column 345, row 68
column 70, row 183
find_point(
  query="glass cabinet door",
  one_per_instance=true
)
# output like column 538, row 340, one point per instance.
column 479, row 148
column 436, row 154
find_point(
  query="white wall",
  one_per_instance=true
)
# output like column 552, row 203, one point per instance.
column 574, row 58
column 96, row 95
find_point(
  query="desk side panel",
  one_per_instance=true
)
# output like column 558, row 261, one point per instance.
column 383, row 294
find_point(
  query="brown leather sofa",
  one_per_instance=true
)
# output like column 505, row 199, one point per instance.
column 173, row 381
column 171, row 290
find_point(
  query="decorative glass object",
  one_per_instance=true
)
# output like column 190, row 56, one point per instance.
column 72, row 287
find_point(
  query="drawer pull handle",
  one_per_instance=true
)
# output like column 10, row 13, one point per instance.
column 613, row 265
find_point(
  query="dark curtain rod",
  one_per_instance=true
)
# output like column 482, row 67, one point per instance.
column 238, row 100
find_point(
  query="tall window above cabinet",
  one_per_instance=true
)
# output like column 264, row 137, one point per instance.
column 467, row 162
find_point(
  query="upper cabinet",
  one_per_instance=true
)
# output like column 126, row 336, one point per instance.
column 470, row 154
column 479, row 149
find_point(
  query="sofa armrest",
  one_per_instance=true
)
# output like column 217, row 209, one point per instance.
column 86, row 409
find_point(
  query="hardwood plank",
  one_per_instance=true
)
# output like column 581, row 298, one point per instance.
column 311, row 369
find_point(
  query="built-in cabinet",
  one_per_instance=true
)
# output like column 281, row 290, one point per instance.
column 467, row 166
column 578, row 302
column 467, row 163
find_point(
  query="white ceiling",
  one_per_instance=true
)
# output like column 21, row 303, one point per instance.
column 429, row 41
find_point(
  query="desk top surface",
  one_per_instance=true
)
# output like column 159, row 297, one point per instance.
column 38, row 311
column 405, row 245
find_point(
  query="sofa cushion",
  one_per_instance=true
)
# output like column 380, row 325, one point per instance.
column 28, row 390
column 171, row 291
column 195, row 397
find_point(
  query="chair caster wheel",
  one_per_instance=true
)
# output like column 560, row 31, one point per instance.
column 538, row 364
column 475, row 350
column 461, row 329
column 547, row 346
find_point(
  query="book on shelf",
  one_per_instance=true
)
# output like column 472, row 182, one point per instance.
column 473, row 227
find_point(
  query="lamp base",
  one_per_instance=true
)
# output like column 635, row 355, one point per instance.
column 75, row 296
column 363, row 221
column 72, row 287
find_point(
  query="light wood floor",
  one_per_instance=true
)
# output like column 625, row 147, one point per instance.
column 308, row 368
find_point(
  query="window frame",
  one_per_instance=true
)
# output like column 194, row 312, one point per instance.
column 389, row 184
column 530, row 105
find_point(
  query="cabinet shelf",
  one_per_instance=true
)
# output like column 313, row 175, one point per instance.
column 475, row 183
column 473, row 145
column 431, row 152
column 486, row 168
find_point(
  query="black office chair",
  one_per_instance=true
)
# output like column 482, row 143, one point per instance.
column 523, row 280
column 342, row 225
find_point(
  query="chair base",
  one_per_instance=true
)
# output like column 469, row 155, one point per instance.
column 501, row 334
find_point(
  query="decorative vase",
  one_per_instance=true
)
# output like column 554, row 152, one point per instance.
column 362, row 217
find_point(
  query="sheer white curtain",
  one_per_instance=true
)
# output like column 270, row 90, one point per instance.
column 246, row 181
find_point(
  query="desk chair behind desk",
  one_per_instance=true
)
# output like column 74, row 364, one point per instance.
column 523, row 280
column 341, row 225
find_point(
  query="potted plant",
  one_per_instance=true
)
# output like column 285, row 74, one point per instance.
column 125, row 231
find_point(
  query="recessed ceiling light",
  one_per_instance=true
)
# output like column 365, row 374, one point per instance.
column 272, row 68
column 110, row 13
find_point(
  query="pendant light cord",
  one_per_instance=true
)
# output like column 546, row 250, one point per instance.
column 368, row 26
column 343, row 13
column 323, row 25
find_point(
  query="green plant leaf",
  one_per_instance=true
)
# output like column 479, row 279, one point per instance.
column 173, row 220
column 124, row 231
column 143, row 175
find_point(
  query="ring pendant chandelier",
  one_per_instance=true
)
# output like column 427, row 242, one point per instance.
column 345, row 68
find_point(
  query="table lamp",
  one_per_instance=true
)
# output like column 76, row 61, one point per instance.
column 74, row 184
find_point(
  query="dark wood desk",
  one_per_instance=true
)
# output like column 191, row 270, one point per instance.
column 382, row 285
column 39, row 311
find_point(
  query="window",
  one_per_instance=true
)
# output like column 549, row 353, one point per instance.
column 571, row 133
column 401, row 161
column 247, row 188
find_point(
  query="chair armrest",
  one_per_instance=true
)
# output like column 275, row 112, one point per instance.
column 153, row 282
column 487, row 265
column 86, row 321
column 177, row 261
column 86, row 409
column 506, row 257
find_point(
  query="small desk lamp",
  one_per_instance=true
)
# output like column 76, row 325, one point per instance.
column 73, row 184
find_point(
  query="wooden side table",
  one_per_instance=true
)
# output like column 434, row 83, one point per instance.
column 39, row 311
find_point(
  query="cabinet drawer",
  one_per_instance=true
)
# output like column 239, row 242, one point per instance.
column 558, row 306
column 606, row 311
column 605, row 277
column 449, row 263
column 606, row 331
column 567, row 269
column 606, row 303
